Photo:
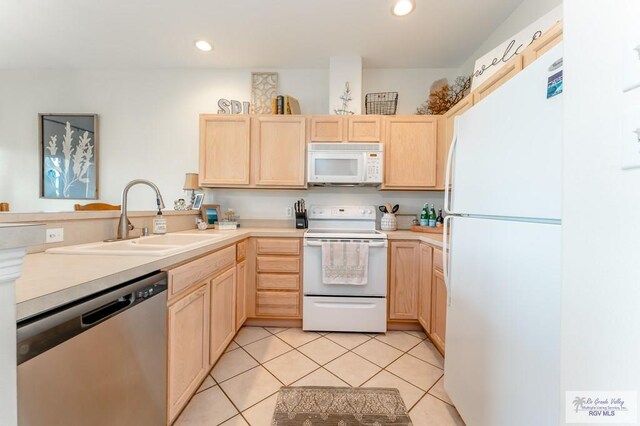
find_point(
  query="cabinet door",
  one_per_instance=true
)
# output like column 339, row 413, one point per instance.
column 188, row 347
column 426, row 272
column 224, row 150
column 504, row 74
column 438, row 310
column 279, row 151
column 241, row 294
column 223, row 313
column 404, row 280
column 327, row 128
column 550, row 38
column 410, row 152
column 447, row 136
column 364, row 128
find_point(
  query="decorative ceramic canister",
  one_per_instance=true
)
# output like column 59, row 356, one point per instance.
column 388, row 222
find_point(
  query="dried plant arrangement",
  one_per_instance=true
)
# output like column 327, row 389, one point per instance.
column 443, row 96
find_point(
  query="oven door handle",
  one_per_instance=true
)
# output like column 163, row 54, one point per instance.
column 319, row 243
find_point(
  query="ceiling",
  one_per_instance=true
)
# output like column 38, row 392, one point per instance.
column 245, row 33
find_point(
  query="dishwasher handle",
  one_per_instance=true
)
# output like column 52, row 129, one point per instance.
column 107, row 311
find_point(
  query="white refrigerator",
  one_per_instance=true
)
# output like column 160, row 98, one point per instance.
column 502, row 364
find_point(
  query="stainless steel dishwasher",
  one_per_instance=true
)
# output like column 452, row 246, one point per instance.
column 99, row 361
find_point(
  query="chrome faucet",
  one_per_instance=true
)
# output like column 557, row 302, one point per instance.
column 124, row 226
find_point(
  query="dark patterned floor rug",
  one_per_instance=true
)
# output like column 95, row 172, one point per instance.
column 336, row 406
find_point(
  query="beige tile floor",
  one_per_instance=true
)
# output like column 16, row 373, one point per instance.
column 242, row 387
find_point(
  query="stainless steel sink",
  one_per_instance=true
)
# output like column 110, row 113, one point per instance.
column 155, row 245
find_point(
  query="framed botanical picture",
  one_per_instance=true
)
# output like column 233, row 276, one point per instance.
column 210, row 214
column 68, row 156
column 197, row 203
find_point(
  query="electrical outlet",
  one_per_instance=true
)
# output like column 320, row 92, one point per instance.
column 55, row 235
column 289, row 212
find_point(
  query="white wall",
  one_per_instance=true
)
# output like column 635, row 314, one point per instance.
column 148, row 121
column 412, row 84
column 260, row 204
column 601, row 230
column 525, row 14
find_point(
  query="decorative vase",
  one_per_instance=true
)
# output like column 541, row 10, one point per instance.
column 388, row 222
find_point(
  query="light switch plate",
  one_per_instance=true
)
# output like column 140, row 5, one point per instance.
column 631, row 130
column 55, row 235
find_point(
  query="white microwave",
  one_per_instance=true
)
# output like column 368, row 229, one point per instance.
column 344, row 163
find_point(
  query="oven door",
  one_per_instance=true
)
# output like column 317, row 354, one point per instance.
column 376, row 280
column 336, row 167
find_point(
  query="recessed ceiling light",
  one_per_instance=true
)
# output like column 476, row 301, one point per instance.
column 204, row 45
column 403, row 7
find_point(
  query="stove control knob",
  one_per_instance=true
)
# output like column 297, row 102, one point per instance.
column 363, row 211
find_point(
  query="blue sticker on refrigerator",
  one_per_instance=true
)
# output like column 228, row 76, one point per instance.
column 554, row 85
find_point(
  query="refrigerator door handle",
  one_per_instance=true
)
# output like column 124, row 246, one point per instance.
column 446, row 247
column 447, row 175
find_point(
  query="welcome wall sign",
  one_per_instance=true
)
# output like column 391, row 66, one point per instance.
column 488, row 64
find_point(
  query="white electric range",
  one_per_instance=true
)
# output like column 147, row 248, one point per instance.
column 344, row 307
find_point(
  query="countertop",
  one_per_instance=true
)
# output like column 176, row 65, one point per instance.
column 52, row 280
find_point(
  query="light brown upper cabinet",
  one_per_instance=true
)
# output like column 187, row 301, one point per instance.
column 404, row 281
column 447, row 136
column 352, row 128
column 410, row 152
column 327, row 128
column 549, row 38
column 224, row 150
column 279, row 150
column 364, row 128
column 504, row 74
column 241, row 151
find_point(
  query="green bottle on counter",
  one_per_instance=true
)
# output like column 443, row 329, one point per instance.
column 424, row 217
column 432, row 216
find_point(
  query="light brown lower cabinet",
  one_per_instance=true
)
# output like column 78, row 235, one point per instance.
column 241, row 294
column 404, row 283
column 275, row 291
column 223, row 313
column 417, row 289
column 188, row 347
column 438, row 311
column 426, row 273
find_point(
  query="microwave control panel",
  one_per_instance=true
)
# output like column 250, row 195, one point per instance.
column 373, row 167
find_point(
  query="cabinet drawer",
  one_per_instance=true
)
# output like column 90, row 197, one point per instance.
column 186, row 276
column 278, row 264
column 241, row 250
column 437, row 259
column 278, row 246
column 278, row 282
column 278, row 304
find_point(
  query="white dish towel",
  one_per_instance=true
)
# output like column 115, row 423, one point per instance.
column 345, row 263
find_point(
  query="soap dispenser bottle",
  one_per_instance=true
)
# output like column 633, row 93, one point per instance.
column 159, row 224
